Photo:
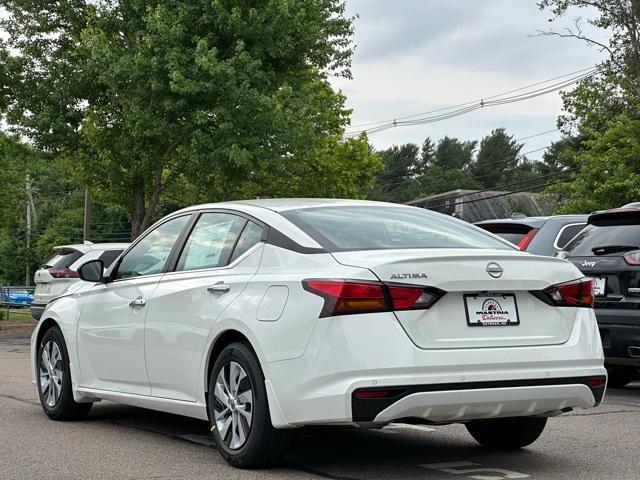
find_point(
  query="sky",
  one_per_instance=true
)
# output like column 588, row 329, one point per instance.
column 412, row 56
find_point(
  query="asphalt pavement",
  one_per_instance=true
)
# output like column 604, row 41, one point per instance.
column 120, row 442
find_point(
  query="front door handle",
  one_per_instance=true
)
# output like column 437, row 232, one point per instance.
column 138, row 302
column 219, row 288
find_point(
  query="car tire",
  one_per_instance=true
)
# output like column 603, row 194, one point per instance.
column 620, row 377
column 236, row 387
column 54, row 379
column 507, row 433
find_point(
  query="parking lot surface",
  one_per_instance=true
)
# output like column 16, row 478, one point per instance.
column 130, row 443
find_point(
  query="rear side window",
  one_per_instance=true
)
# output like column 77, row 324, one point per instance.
column 567, row 233
column 211, row 241
column 63, row 258
column 381, row 227
column 251, row 235
column 595, row 237
column 109, row 256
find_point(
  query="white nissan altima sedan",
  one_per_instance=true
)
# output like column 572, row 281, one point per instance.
column 266, row 315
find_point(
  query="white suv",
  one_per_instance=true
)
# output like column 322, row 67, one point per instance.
column 61, row 271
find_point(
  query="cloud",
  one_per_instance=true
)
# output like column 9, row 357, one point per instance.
column 417, row 55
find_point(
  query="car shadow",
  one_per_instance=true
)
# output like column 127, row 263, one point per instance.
column 349, row 453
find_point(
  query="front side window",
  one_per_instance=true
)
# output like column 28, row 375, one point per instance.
column 381, row 227
column 150, row 254
column 211, row 241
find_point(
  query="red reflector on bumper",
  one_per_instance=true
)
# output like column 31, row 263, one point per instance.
column 597, row 382
column 370, row 394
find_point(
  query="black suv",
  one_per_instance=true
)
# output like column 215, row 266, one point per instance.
column 608, row 250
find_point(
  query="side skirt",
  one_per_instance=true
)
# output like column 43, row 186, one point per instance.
column 177, row 407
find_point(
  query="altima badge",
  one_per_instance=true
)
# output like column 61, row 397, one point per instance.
column 494, row 270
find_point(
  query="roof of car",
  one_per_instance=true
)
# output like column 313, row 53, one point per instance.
column 536, row 220
column 87, row 247
column 283, row 204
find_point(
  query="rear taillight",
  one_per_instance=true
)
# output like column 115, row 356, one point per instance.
column 346, row 297
column 633, row 258
column 577, row 293
column 63, row 273
column 526, row 240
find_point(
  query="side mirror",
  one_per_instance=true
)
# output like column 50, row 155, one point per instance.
column 92, row 271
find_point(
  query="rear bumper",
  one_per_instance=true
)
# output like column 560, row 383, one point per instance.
column 37, row 309
column 470, row 401
column 620, row 334
column 346, row 354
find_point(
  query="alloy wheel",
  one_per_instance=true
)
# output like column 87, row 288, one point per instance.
column 233, row 405
column 51, row 373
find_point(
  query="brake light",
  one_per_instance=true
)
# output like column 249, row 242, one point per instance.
column 632, row 258
column 345, row 297
column 597, row 382
column 577, row 293
column 526, row 240
column 63, row 273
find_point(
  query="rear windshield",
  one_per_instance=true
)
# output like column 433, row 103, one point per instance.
column 381, row 228
column 592, row 236
column 511, row 232
column 63, row 259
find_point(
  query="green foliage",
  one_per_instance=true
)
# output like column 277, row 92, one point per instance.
column 223, row 98
column 498, row 158
column 609, row 170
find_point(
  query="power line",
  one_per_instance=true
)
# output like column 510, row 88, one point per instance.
column 486, row 102
column 475, row 101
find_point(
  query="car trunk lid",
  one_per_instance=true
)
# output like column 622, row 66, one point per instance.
column 469, row 277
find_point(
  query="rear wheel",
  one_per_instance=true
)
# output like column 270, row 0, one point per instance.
column 239, row 411
column 619, row 377
column 54, row 379
column 507, row 433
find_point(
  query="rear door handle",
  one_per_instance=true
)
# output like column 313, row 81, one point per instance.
column 219, row 288
column 138, row 302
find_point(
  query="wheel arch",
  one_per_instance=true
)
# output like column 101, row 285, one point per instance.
column 225, row 338
column 228, row 337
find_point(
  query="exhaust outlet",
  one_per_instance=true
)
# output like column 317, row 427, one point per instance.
column 634, row 352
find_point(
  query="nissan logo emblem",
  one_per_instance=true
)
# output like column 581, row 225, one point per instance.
column 494, row 270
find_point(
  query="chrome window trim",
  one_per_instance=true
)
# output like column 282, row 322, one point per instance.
column 555, row 242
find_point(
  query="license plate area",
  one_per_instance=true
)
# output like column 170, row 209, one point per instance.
column 600, row 286
column 491, row 309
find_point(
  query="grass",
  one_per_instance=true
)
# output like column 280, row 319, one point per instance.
column 16, row 316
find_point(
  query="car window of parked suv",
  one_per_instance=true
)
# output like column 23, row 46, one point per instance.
column 63, row 258
column 211, row 241
column 601, row 240
column 567, row 233
column 150, row 254
column 109, row 256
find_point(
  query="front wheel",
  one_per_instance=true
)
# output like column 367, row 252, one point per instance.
column 507, row 433
column 239, row 411
column 54, row 379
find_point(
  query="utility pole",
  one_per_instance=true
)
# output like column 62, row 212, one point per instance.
column 87, row 215
column 27, row 278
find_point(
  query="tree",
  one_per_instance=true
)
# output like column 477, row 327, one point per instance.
column 453, row 154
column 615, row 89
column 498, row 159
column 560, row 156
column 609, row 174
column 604, row 111
column 144, row 96
column 396, row 182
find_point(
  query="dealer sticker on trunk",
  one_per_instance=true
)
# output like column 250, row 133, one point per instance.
column 491, row 309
